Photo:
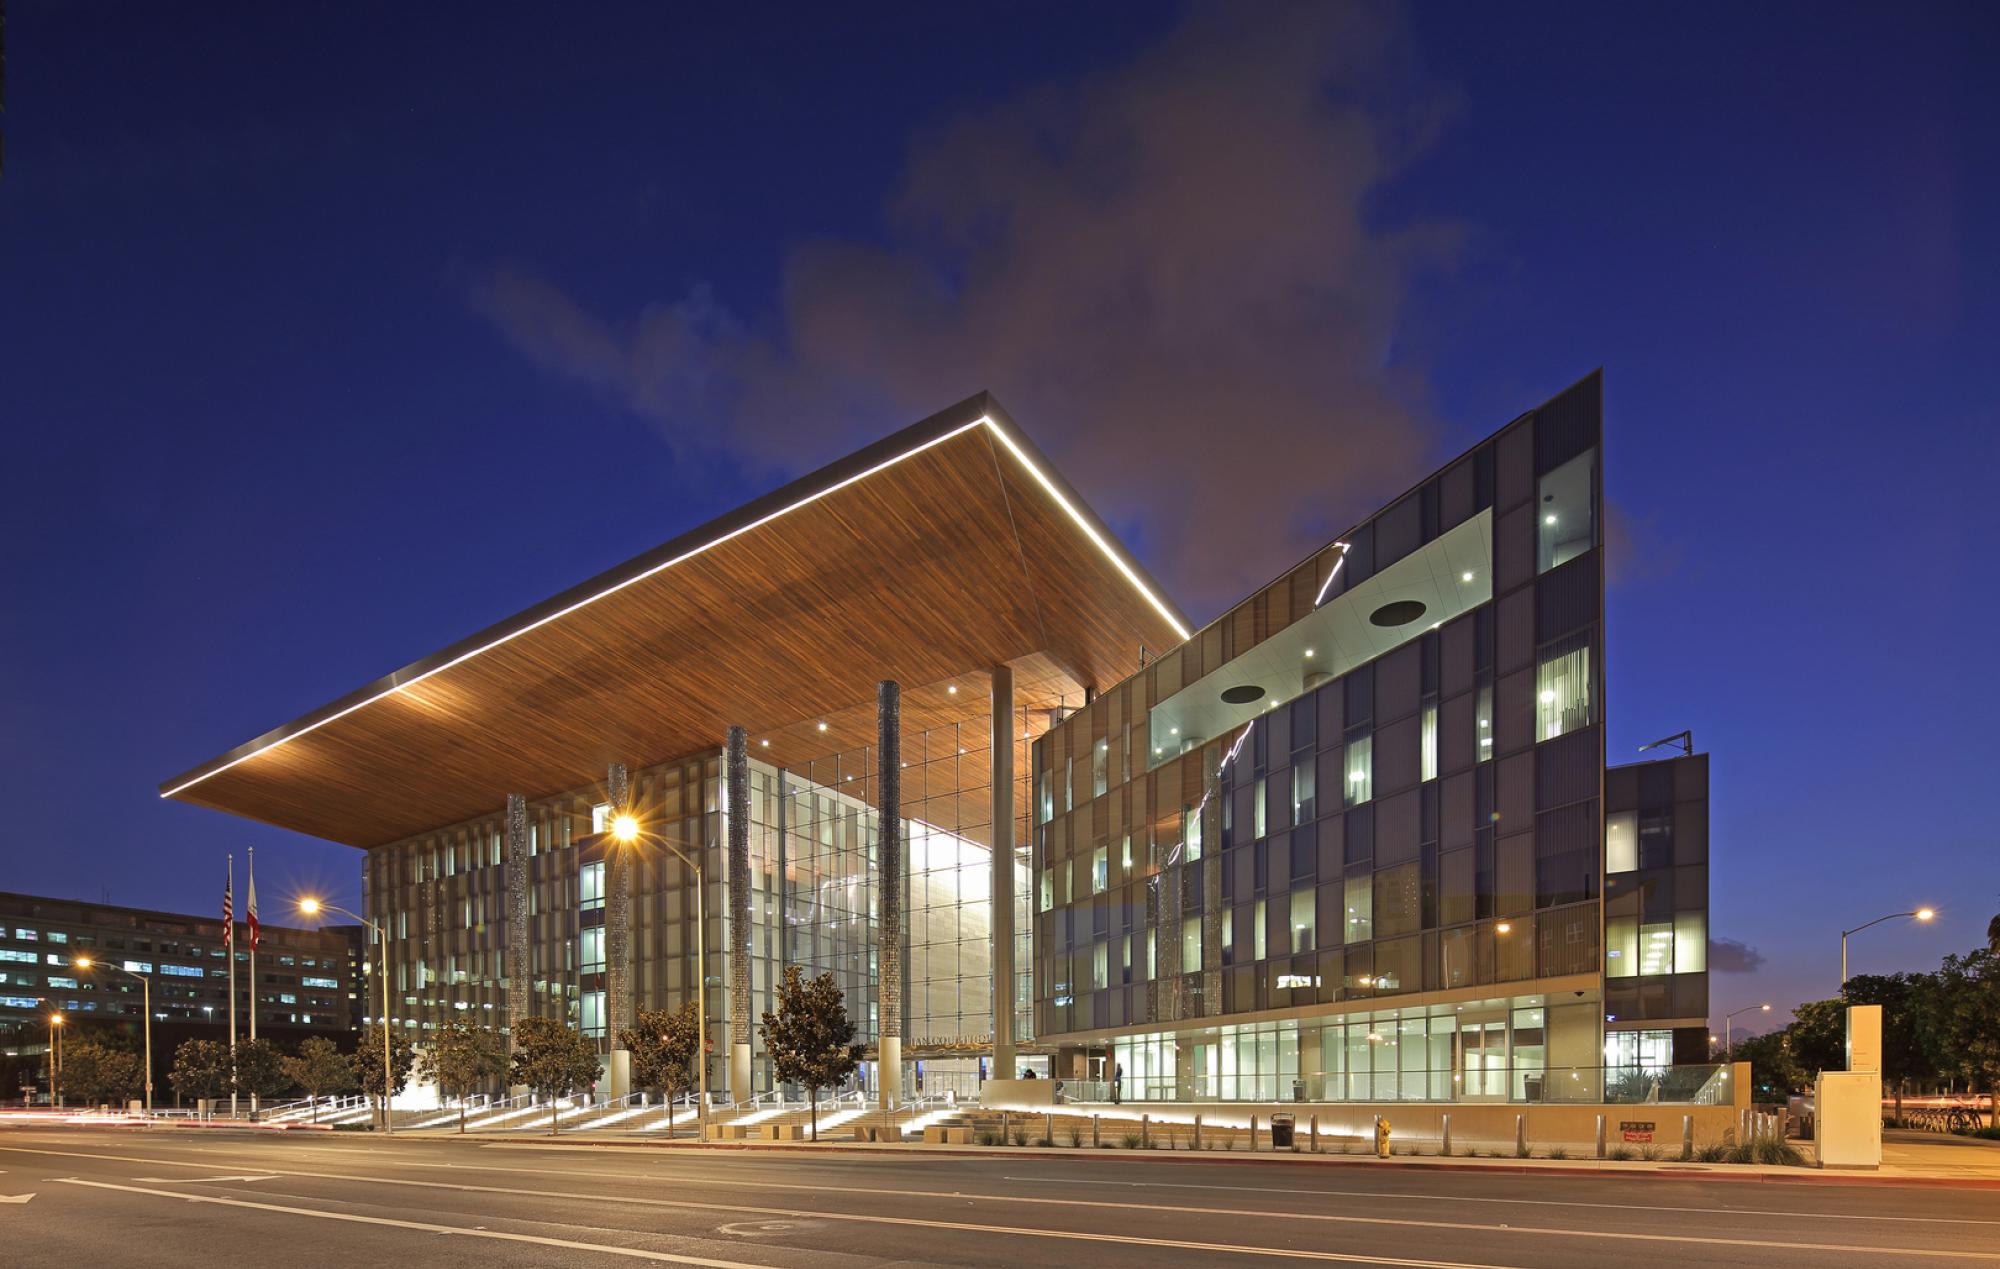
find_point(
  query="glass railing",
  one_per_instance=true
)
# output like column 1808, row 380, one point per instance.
column 1701, row 1085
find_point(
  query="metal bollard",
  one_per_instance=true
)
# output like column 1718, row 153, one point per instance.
column 1004, row 1138
column 1049, row 1128
column 1197, row 1131
column 1312, row 1133
column 1520, row 1136
column 1145, row 1132
column 1444, row 1134
column 1095, row 1124
column 1687, row 1136
column 1253, row 1134
column 1600, row 1136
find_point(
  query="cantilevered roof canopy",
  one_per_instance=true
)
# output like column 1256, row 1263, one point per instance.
column 943, row 550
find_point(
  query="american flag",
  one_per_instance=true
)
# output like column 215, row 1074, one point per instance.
column 228, row 916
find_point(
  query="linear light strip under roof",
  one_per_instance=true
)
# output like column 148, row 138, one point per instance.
column 1020, row 455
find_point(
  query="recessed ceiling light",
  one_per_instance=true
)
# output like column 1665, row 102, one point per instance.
column 822, row 726
column 1174, row 730
column 764, row 744
column 952, row 690
column 1550, row 519
column 1466, row 576
column 1309, row 651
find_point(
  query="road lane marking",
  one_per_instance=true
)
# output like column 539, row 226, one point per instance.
column 203, row 1180
column 462, row 1231
column 642, row 1254
column 1455, row 1198
column 1322, row 1217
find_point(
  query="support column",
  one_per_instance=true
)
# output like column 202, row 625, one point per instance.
column 889, row 857
column 1003, row 872
column 736, row 760
column 520, row 971
column 618, row 934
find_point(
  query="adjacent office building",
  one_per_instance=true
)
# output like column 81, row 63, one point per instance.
column 1347, row 841
column 305, row 981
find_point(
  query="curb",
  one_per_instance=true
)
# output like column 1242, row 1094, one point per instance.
column 1672, row 1171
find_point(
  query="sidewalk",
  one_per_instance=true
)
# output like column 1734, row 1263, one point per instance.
column 1916, row 1164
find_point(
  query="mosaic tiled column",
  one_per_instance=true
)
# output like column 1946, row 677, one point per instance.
column 889, row 856
column 737, row 759
column 1003, row 872
column 519, row 968
column 618, row 913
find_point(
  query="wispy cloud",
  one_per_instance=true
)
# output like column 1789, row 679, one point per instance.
column 1729, row 956
column 1167, row 270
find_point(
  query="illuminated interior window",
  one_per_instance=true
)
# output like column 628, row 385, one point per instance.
column 1564, row 515
column 1562, row 688
column 1427, row 742
column 1360, row 784
column 1621, row 841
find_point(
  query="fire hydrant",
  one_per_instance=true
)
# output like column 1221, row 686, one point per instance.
column 1381, row 1138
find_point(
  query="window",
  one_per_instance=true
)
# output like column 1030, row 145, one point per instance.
column 1621, row 947
column 54, row 981
column 590, row 886
column 590, row 950
column 1621, row 841
column 1190, row 944
column 1303, row 788
column 1656, row 947
column 1482, row 712
column 26, row 936
column 1564, row 527
column 1048, row 889
column 1360, row 770
column 287, row 998
column 57, row 936
column 1259, row 944
column 1191, row 831
column 600, row 817
column 181, row 971
column 139, row 967
column 1100, row 768
column 1258, row 817
column 1360, row 908
column 1427, row 742
column 1304, row 915
column 1125, row 856
column 320, row 982
column 1100, row 870
column 593, row 1013
column 1100, row 966
column 1690, row 942
column 1045, row 806
column 1562, row 688
column 10, row 954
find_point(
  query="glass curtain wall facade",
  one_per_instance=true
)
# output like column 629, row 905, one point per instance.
column 1380, row 779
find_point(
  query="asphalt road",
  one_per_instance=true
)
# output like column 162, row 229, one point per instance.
column 138, row 1197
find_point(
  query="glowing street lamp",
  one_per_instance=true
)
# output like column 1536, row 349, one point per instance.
column 312, row 907
column 1726, row 1033
column 1920, row 914
column 146, row 996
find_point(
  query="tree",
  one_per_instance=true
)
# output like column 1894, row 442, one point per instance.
column 201, row 1069
column 1905, row 1001
column 810, row 1039
column 1818, row 1036
column 260, row 1069
column 663, row 1047
column 320, row 1069
column 464, row 1056
column 1993, row 936
column 368, row 1065
column 1966, row 1030
column 97, row 1072
column 1773, row 1070
column 554, row 1059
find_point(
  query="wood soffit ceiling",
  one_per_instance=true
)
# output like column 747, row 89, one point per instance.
column 929, row 557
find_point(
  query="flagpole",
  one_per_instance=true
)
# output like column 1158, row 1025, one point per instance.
column 229, row 946
column 251, row 868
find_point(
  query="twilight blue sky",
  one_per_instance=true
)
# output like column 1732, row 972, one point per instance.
column 329, row 337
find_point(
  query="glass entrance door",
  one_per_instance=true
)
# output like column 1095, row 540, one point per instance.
column 1482, row 1061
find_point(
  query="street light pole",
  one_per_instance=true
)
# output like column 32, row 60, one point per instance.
column 146, row 998
column 625, row 830
column 55, row 1059
column 312, row 906
column 1727, row 1018
column 1920, row 914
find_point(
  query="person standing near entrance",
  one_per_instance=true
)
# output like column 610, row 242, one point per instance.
column 1117, row 1083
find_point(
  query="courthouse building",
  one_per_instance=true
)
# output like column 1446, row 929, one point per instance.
column 1348, row 841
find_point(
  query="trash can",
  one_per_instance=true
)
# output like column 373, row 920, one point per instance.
column 1281, row 1132
column 1298, row 1090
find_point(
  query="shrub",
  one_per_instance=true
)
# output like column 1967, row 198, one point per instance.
column 1558, row 1152
column 1713, row 1152
column 986, row 1138
column 1775, row 1153
column 1984, row 1134
column 1045, row 1143
column 1075, row 1136
column 1131, row 1141
column 1620, row 1153
column 1740, row 1154
column 1020, row 1136
column 1522, row 1152
column 1649, row 1152
column 1229, row 1143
